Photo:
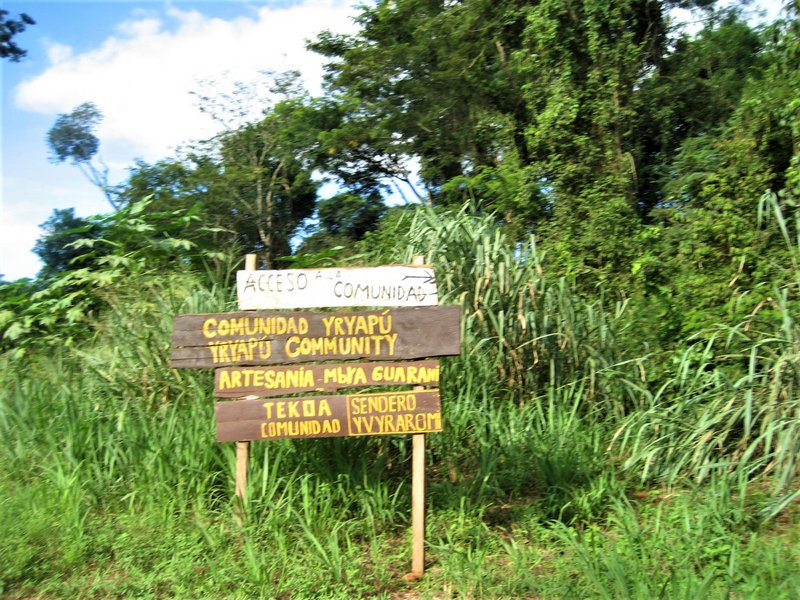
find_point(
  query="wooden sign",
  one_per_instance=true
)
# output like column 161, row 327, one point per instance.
column 236, row 382
column 393, row 285
column 268, row 338
column 329, row 416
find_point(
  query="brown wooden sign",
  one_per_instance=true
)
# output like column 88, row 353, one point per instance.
column 384, row 413
column 266, row 338
column 236, row 382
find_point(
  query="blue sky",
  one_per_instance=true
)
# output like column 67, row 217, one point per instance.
column 137, row 61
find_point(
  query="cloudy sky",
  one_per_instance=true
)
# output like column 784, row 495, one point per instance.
column 139, row 62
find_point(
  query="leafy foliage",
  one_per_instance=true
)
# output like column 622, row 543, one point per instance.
column 271, row 190
column 130, row 243
column 72, row 136
column 55, row 247
column 10, row 28
column 251, row 185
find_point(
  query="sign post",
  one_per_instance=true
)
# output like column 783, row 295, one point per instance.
column 262, row 353
column 418, row 494
column 243, row 447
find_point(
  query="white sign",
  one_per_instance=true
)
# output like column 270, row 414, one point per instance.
column 394, row 285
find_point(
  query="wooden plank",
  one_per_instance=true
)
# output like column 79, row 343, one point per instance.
column 268, row 338
column 237, row 382
column 390, row 285
column 384, row 413
column 243, row 447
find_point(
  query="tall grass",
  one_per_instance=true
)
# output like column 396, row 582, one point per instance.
column 533, row 328
column 727, row 404
column 731, row 406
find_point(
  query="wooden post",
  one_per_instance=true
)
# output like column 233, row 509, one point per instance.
column 418, row 492
column 243, row 448
column 418, row 505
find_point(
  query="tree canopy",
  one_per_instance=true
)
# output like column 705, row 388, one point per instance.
column 72, row 137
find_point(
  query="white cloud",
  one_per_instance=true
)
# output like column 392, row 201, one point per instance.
column 142, row 76
column 19, row 233
column 140, row 28
column 58, row 53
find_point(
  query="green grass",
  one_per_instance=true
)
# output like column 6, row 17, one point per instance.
column 574, row 462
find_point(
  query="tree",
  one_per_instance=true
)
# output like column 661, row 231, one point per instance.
column 429, row 80
column 72, row 138
column 350, row 215
column 10, row 28
column 268, row 188
column 527, row 108
column 263, row 189
column 687, row 101
column 251, row 185
column 343, row 220
column 53, row 246
column 186, row 183
column 561, row 117
column 719, row 252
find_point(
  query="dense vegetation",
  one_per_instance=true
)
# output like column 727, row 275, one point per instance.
column 614, row 205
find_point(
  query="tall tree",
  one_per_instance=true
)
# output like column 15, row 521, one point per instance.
column 695, row 90
column 269, row 189
column 541, row 111
column 72, row 138
column 713, row 241
column 263, row 184
column 583, row 64
column 520, row 105
column 430, row 80
column 251, row 185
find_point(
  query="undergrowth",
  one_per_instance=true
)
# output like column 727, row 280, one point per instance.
column 577, row 459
